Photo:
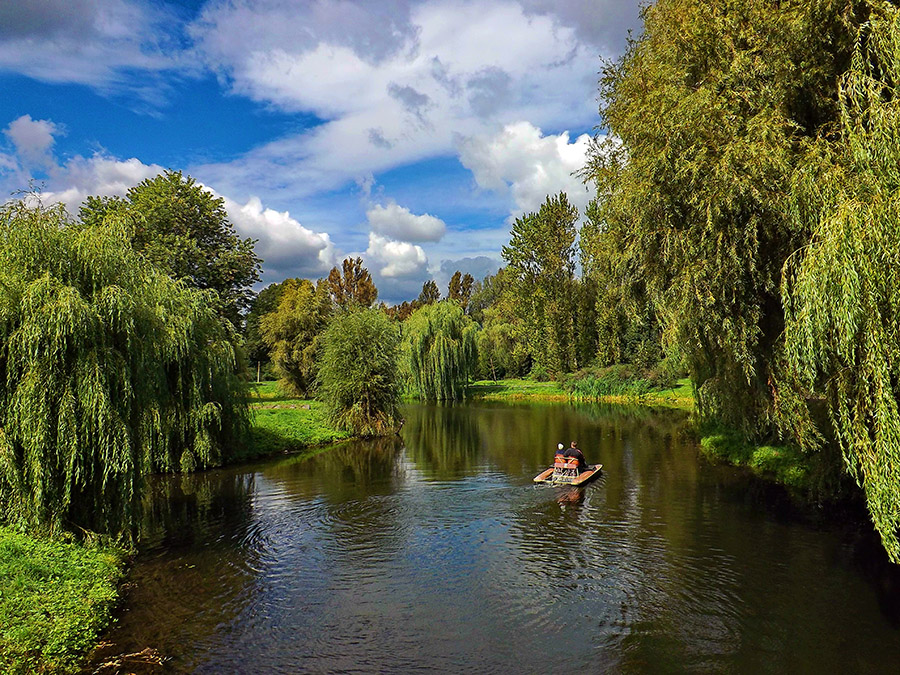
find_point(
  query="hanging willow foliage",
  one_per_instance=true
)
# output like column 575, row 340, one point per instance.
column 439, row 354
column 842, row 292
column 110, row 369
column 358, row 380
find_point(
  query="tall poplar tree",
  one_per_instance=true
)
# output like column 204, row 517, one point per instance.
column 541, row 266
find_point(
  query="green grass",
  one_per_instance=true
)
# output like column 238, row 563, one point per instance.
column 784, row 463
column 501, row 390
column 55, row 599
column 679, row 396
column 282, row 423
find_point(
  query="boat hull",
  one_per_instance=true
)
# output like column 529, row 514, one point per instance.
column 582, row 478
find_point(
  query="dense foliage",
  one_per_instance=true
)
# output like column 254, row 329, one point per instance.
column 255, row 345
column 183, row 229
column 351, row 286
column 358, row 372
column 843, row 288
column 110, row 369
column 438, row 352
column 712, row 109
column 292, row 332
column 541, row 268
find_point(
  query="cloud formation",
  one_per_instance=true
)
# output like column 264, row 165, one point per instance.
column 397, row 222
column 33, row 140
column 396, row 258
column 444, row 69
column 288, row 248
column 521, row 161
column 89, row 42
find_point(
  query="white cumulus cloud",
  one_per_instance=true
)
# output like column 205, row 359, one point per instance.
column 449, row 68
column 397, row 222
column 287, row 247
column 396, row 258
column 528, row 165
column 32, row 139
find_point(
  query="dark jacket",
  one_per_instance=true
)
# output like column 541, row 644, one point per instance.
column 575, row 452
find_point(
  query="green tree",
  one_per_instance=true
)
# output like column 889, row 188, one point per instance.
column 541, row 265
column 712, row 110
column 430, row 293
column 460, row 288
column 111, row 369
column 293, row 330
column 266, row 301
column 184, row 230
column 617, row 320
column 501, row 350
column 439, row 351
column 352, row 285
column 842, row 291
column 358, row 372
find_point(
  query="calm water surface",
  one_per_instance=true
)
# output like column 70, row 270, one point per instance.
column 434, row 552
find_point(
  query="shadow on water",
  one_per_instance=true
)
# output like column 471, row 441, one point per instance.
column 435, row 551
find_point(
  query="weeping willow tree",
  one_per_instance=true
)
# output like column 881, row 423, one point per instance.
column 111, row 370
column 842, row 291
column 358, row 377
column 713, row 108
column 439, row 355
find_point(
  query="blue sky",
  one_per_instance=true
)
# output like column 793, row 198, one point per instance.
column 410, row 133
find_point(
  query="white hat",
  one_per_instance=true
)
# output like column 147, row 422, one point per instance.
column 560, row 446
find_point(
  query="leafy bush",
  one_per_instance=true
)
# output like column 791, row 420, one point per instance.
column 358, row 372
column 618, row 380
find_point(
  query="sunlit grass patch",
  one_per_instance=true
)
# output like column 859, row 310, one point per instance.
column 293, row 425
column 786, row 464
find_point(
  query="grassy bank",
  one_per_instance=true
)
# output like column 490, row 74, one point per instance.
column 784, row 464
column 678, row 396
column 55, row 598
column 819, row 476
column 281, row 423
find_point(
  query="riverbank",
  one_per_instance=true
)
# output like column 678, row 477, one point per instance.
column 281, row 423
column 816, row 476
column 55, row 599
column 680, row 396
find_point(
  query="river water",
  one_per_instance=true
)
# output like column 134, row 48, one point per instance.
column 435, row 552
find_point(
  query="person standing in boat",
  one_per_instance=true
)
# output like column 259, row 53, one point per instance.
column 573, row 451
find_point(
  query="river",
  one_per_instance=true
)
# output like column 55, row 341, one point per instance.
column 435, row 552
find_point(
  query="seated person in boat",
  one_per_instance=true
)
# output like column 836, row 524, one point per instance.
column 573, row 451
column 560, row 450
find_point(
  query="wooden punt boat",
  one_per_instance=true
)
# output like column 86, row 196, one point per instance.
column 565, row 472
